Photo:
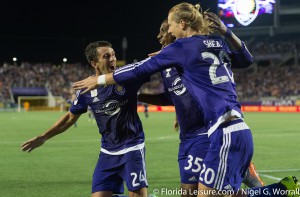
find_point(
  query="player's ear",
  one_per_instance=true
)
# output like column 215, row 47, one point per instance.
column 182, row 24
column 93, row 64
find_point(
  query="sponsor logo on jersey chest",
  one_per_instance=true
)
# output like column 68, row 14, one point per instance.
column 177, row 87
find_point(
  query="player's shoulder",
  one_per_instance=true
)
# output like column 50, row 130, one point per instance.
column 173, row 47
column 78, row 93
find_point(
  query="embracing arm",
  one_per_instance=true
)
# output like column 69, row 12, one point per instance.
column 94, row 82
column 154, row 99
column 59, row 127
column 125, row 74
column 167, row 58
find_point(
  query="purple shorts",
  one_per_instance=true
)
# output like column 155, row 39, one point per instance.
column 190, row 158
column 228, row 157
column 112, row 170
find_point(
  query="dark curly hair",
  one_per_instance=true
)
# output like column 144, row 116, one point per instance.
column 91, row 50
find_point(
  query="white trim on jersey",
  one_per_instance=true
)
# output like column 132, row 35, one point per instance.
column 125, row 150
column 222, row 169
column 130, row 66
column 223, row 118
column 236, row 127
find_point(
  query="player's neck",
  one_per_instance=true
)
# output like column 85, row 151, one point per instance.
column 191, row 32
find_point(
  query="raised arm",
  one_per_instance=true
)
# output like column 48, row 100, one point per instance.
column 59, row 127
column 221, row 28
column 241, row 57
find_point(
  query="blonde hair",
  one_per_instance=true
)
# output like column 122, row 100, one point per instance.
column 193, row 17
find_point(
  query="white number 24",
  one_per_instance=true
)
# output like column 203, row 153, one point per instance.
column 141, row 178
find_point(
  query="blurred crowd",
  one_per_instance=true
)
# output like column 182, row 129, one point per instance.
column 278, row 82
column 56, row 79
column 270, row 80
column 266, row 47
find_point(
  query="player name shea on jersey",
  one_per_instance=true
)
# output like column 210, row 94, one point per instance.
column 212, row 43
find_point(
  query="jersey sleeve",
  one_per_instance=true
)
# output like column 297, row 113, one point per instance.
column 139, row 82
column 170, row 56
column 241, row 58
column 79, row 105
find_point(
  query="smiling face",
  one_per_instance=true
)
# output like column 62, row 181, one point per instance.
column 106, row 60
column 164, row 37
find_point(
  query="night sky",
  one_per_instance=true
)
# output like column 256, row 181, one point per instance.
column 43, row 31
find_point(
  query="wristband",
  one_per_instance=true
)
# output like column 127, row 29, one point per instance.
column 101, row 80
column 228, row 33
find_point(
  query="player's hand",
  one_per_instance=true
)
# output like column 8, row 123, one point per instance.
column 175, row 125
column 153, row 54
column 88, row 84
column 217, row 25
column 33, row 143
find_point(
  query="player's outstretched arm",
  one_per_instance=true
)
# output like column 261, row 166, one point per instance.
column 154, row 99
column 154, row 53
column 132, row 72
column 94, row 82
column 60, row 126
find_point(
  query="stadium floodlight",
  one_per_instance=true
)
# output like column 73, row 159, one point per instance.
column 65, row 59
column 14, row 59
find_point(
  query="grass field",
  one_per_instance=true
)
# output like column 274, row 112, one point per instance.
column 63, row 166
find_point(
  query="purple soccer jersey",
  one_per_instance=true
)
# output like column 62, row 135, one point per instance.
column 122, row 156
column 193, row 144
column 204, row 65
column 115, row 110
column 190, row 118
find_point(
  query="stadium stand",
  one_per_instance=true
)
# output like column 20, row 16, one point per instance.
column 275, row 74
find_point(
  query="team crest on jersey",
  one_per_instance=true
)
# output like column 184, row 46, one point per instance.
column 177, row 87
column 120, row 90
column 245, row 11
